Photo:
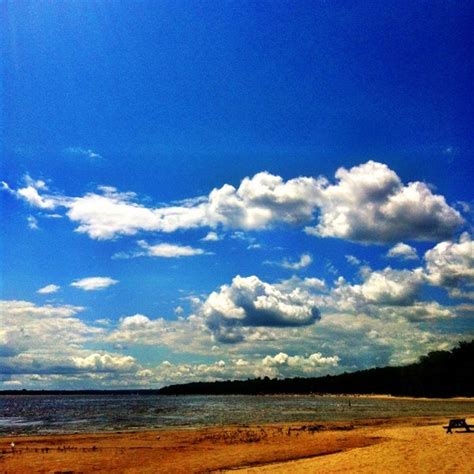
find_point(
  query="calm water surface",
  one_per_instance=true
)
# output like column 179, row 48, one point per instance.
column 46, row 414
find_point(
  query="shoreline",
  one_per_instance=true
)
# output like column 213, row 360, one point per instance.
column 73, row 393
column 298, row 446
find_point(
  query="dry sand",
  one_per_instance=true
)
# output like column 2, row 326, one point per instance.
column 409, row 445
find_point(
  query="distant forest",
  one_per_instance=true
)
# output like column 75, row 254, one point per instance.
column 438, row 374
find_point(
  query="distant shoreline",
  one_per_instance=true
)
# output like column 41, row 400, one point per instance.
column 153, row 392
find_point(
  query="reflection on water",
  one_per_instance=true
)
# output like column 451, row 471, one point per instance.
column 82, row 413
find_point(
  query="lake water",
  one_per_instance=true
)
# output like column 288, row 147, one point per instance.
column 45, row 414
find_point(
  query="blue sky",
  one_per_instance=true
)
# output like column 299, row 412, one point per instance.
column 205, row 190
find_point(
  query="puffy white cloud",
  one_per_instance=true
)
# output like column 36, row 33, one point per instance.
column 262, row 201
column 48, row 289
column 385, row 287
column 94, row 283
column 105, row 363
column 369, row 203
column 250, row 302
column 31, row 195
column 299, row 362
column 258, row 203
column 403, row 251
column 304, row 261
column 211, row 237
column 451, row 265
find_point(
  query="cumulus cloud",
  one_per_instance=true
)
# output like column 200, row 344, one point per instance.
column 211, row 237
column 48, row 289
column 385, row 287
column 450, row 265
column 304, row 261
column 94, row 283
column 258, row 203
column 403, row 251
column 369, row 203
column 103, row 362
column 250, row 302
column 312, row 361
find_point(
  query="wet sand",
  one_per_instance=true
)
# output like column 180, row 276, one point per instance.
column 408, row 445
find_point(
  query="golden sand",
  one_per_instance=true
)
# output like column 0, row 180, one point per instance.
column 409, row 445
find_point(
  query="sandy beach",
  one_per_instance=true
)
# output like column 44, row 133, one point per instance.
column 398, row 445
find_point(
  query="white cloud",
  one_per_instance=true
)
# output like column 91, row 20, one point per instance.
column 103, row 362
column 48, row 289
column 451, row 265
column 299, row 362
column 403, row 251
column 162, row 250
column 369, row 204
column 310, row 284
column 187, row 335
column 258, row 203
column 250, row 302
column 47, row 343
column 304, row 261
column 32, row 222
column 84, row 152
column 378, row 341
column 211, row 237
column 31, row 195
column 94, row 283
column 169, row 250
column 385, row 287
column 353, row 260
column 240, row 368
column 419, row 311
column 25, row 326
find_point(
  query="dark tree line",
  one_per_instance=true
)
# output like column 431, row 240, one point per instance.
column 438, row 374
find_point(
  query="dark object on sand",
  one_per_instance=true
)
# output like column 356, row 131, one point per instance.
column 457, row 423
